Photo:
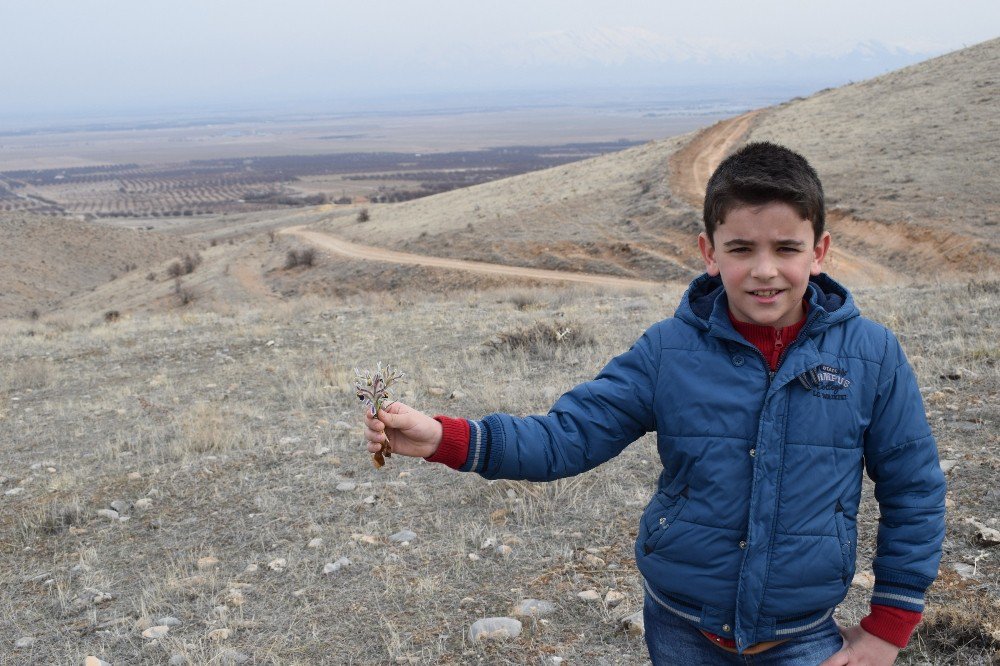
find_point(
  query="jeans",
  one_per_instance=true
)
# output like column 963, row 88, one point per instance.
column 673, row 641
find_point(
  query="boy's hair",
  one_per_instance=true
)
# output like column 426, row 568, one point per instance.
column 761, row 173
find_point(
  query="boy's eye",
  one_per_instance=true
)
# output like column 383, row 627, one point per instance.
column 789, row 249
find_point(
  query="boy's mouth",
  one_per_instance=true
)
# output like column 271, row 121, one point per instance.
column 766, row 293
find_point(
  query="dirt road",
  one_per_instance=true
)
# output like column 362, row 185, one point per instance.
column 330, row 243
column 692, row 165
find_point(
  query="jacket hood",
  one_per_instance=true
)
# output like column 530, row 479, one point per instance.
column 705, row 304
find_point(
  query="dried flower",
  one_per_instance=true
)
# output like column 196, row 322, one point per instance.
column 373, row 390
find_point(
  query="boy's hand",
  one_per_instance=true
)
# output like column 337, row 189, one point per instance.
column 411, row 432
column 862, row 649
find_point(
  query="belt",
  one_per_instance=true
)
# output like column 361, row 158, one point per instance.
column 756, row 648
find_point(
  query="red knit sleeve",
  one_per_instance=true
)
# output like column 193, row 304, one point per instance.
column 891, row 624
column 454, row 448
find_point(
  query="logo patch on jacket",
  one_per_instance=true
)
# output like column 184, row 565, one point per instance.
column 826, row 381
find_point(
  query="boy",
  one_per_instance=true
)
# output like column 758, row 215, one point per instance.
column 769, row 394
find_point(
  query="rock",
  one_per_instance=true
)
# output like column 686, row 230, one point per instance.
column 365, row 538
column 369, row 500
column 466, row 601
column 534, row 608
column 633, row 624
column 205, row 563
column 494, row 628
column 157, row 632
column 473, row 557
column 232, row 658
column 456, row 395
column 968, row 426
column 613, row 598
column 94, row 661
column 316, row 543
column 143, row 504
column 277, row 564
column 24, row 642
column 110, row 514
column 289, row 440
column 177, row 660
column 964, row 570
column 987, row 536
column 403, row 536
column 121, row 506
column 594, row 561
column 503, row 550
column 346, row 486
column 16, row 491
column 218, row 634
column 435, row 391
column 948, row 465
column 235, row 598
column 334, row 567
column 169, row 621
column 863, row 580
column 251, row 568
column 590, row 595
column 94, row 596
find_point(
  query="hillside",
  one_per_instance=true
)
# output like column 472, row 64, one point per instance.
column 917, row 150
column 907, row 159
column 48, row 260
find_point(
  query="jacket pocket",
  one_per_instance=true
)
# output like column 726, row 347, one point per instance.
column 844, row 540
column 661, row 513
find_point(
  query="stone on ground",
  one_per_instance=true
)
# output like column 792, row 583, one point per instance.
column 494, row 628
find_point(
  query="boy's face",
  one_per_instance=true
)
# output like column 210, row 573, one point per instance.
column 765, row 255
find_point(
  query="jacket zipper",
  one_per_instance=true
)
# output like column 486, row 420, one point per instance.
column 760, row 419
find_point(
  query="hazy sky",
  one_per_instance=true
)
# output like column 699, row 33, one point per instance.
column 106, row 54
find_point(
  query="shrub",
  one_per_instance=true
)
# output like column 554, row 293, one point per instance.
column 363, row 215
column 304, row 257
column 191, row 262
column 112, row 316
column 184, row 266
column 184, row 295
column 542, row 339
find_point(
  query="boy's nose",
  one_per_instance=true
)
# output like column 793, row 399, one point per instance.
column 764, row 269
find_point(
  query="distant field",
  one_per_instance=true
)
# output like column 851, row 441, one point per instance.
column 240, row 185
column 183, row 169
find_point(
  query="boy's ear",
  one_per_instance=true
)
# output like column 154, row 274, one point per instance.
column 820, row 252
column 708, row 254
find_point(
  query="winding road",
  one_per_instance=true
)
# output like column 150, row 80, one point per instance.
column 329, row 243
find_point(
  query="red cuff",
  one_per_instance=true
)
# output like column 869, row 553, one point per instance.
column 891, row 624
column 453, row 450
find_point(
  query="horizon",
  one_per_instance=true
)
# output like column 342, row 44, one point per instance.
column 99, row 58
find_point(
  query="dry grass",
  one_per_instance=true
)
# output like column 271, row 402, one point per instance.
column 237, row 428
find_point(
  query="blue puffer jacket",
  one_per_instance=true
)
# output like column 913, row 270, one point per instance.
column 752, row 531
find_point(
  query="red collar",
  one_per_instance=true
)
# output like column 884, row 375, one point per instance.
column 769, row 340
